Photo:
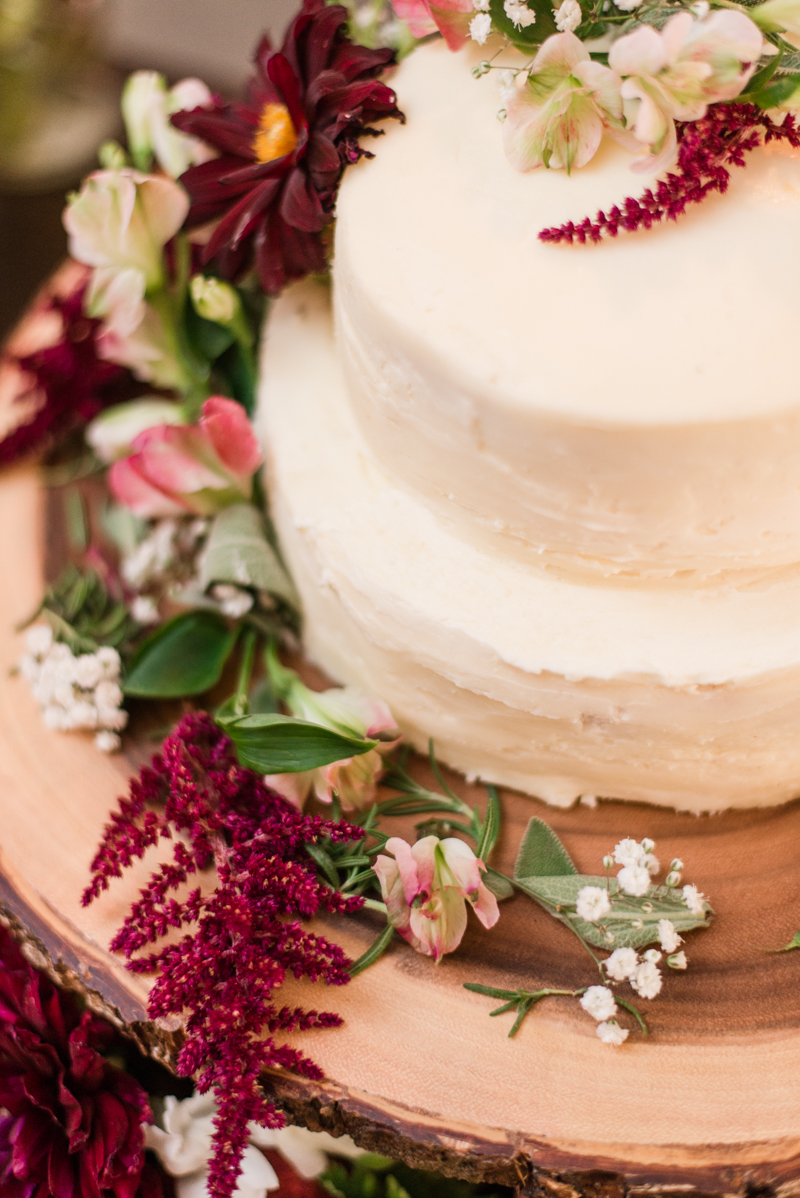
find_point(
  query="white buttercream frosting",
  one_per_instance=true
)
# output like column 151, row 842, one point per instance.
column 625, row 409
column 558, row 688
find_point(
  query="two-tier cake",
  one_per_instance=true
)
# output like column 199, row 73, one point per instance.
column 545, row 499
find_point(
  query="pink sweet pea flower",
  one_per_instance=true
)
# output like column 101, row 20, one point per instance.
column 426, row 888
column 191, row 468
column 450, row 17
column 675, row 73
column 350, row 712
column 556, row 115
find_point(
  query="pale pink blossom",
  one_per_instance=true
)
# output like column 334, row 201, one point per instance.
column 350, row 712
column 147, row 105
column 451, row 18
column 112, row 432
column 123, row 219
column 556, row 115
column 676, row 72
column 192, row 468
column 426, row 888
column 777, row 15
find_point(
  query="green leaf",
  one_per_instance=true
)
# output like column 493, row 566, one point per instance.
column 185, row 656
column 278, row 744
column 499, row 884
column 531, row 35
column 559, row 896
column 323, row 861
column 237, row 551
column 375, row 950
column 541, row 853
column 207, row 338
column 490, row 829
column 777, row 92
column 793, row 943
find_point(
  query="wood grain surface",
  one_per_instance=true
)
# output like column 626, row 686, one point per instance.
column 709, row 1103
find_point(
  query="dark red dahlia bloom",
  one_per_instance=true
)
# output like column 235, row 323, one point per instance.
column 73, row 1122
column 283, row 150
column 71, row 382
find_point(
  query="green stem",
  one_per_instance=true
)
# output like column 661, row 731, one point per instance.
column 245, row 671
column 374, row 905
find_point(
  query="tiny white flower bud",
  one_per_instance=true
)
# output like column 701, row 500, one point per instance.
column 144, row 609
column 598, row 1001
column 109, row 660
column 653, row 955
column 233, row 601
column 608, row 861
column 39, row 639
column 676, row 864
column 107, row 742
column 215, row 300
column 611, row 1033
column 592, row 903
column 648, row 845
column 672, row 879
column 677, row 961
column 480, row 27
column 621, row 964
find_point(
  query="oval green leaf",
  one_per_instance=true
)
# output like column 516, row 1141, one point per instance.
column 278, row 744
column 185, row 656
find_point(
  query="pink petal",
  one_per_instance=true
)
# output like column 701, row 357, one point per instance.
column 417, row 15
column 424, row 853
column 407, row 865
column 393, row 894
column 485, row 907
column 452, row 21
column 231, row 434
column 133, row 490
column 176, row 458
column 561, row 53
column 462, row 863
column 639, row 53
column 294, row 788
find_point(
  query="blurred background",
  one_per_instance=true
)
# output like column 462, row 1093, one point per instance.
column 62, row 65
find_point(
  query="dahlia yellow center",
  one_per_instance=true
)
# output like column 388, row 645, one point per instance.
column 276, row 134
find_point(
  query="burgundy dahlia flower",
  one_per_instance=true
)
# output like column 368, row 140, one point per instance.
column 67, row 379
column 284, row 149
column 72, row 1122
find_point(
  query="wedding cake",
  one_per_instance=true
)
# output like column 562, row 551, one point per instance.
column 544, row 499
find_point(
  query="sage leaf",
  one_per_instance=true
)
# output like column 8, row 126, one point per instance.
column 490, row 829
column 499, row 884
column 186, row 656
column 237, row 551
column 541, row 853
column 278, row 744
column 631, row 923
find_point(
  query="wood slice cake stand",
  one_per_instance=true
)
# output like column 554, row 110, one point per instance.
column 708, row 1104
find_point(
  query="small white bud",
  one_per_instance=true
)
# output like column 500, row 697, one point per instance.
column 107, row 742
column 672, row 879
column 215, row 300
column 608, row 861
column 648, row 845
column 677, row 961
column 676, row 864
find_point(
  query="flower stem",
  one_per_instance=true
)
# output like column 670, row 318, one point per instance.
column 245, row 671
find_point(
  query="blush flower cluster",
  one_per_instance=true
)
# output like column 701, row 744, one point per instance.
column 238, row 943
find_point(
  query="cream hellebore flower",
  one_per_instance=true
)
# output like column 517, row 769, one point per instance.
column 778, row 15
column 123, row 219
column 112, row 432
column 426, row 887
column 147, row 105
column 676, row 72
column 350, row 712
column 183, row 1146
column 556, row 114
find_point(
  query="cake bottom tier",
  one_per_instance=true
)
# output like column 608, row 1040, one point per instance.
column 556, row 689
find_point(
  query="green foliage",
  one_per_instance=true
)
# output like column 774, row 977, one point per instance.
column 793, row 943
column 83, row 614
column 631, row 923
column 277, row 744
column 541, row 853
column 185, row 656
column 532, row 35
column 373, row 1176
column 237, row 551
column 375, row 950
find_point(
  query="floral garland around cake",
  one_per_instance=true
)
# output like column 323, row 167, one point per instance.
column 139, row 371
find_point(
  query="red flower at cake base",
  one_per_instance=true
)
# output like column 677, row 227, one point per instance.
column 74, row 1122
column 283, row 151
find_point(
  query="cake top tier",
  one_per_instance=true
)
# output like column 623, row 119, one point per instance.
column 675, row 325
